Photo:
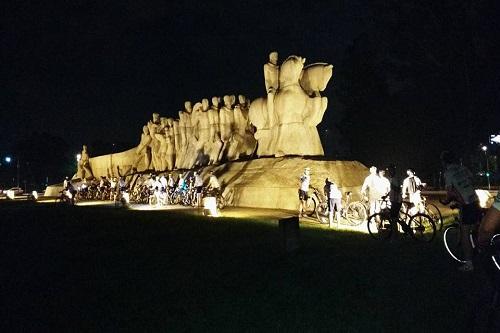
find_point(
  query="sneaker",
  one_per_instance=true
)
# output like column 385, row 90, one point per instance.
column 467, row 267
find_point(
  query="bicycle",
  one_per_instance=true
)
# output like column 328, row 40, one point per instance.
column 354, row 213
column 64, row 198
column 427, row 208
column 420, row 226
column 453, row 240
column 312, row 202
column 433, row 211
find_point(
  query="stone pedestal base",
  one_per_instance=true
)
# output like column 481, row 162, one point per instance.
column 274, row 182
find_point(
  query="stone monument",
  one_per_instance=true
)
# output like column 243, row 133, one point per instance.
column 84, row 170
column 281, row 123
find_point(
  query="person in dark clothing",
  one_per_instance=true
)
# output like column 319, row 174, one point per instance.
column 394, row 196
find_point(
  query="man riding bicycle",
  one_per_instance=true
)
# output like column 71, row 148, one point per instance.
column 459, row 188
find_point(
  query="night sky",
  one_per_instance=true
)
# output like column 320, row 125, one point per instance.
column 97, row 70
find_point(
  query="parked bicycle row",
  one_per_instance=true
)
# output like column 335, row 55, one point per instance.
column 157, row 190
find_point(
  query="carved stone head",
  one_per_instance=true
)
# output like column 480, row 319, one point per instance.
column 242, row 99
column 273, row 58
column 228, row 101
column 197, row 107
column 145, row 130
column 216, row 101
column 188, row 106
column 205, row 104
column 156, row 118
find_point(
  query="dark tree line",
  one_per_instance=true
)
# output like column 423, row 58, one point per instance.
column 426, row 72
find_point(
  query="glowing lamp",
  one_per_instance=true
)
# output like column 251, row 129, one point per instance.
column 210, row 205
column 8, row 159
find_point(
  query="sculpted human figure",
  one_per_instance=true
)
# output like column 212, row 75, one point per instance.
column 215, row 141
column 170, row 138
column 271, row 79
column 297, row 113
column 84, row 171
column 288, row 125
column 226, row 118
column 177, row 144
column 243, row 142
column 154, row 128
column 191, row 141
column 162, row 151
column 202, row 125
column 143, row 150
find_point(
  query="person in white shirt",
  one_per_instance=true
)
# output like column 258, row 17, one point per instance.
column 411, row 189
column 305, row 181
column 164, row 183
column 334, row 196
column 383, row 184
column 370, row 190
column 198, row 184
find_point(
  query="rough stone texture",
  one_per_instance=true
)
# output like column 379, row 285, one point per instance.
column 274, row 182
column 108, row 165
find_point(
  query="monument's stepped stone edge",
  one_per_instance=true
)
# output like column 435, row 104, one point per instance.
column 274, row 182
column 105, row 165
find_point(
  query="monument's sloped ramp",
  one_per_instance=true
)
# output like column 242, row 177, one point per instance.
column 274, row 182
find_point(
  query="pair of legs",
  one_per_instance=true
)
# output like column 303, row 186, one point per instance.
column 198, row 195
column 303, row 202
column 374, row 206
column 395, row 208
column 334, row 205
column 470, row 214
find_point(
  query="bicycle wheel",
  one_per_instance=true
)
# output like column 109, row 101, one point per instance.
column 495, row 248
column 221, row 202
column 152, row 200
column 356, row 213
column 379, row 226
column 310, row 208
column 322, row 213
column 435, row 213
column 453, row 242
column 422, row 227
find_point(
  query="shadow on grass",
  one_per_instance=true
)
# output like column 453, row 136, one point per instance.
column 92, row 268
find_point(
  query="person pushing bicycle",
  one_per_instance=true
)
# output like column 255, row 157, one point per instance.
column 459, row 188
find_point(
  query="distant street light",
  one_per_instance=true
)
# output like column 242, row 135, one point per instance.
column 8, row 159
column 485, row 149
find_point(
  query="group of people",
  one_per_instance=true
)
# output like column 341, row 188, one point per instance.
column 160, row 187
column 383, row 185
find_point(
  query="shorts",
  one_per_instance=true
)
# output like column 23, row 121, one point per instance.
column 334, row 204
column 199, row 189
column 470, row 213
column 302, row 195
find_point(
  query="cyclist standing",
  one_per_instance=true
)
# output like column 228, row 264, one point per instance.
column 394, row 196
column 411, row 189
column 305, row 181
column 213, row 184
column 459, row 188
column 198, row 184
column 334, row 197
column 370, row 191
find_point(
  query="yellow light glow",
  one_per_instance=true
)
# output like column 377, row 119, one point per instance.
column 210, row 205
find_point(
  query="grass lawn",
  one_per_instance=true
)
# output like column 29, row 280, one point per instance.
column 102, row 269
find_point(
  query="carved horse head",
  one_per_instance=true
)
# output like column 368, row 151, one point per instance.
column 291, row 70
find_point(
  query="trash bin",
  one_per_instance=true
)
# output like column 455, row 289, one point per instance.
column 290, row 233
